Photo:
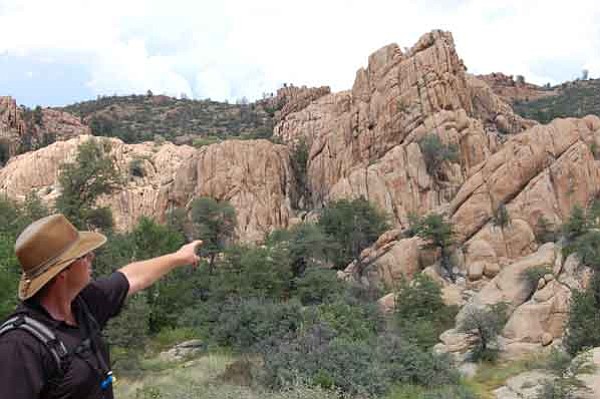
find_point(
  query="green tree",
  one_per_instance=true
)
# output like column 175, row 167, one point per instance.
column 174, row 290
column 353, row 226
column 420, row 312
column 91, row 175
column 439, row 234
column 306, row 245
column 214, row 223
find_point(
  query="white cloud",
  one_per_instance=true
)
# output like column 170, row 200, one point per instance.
column 236, row 48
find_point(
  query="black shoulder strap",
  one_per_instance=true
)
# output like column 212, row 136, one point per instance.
column 41, row 332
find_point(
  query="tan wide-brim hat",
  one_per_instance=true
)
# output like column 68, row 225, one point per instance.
column 48, row 246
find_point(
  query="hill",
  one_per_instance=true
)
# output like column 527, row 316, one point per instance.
column 138, row 118
column 573, row 99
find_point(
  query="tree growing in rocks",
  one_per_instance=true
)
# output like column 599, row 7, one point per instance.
column 484, row 324
column 439, row 235
column 436, row 154
column 91, row 175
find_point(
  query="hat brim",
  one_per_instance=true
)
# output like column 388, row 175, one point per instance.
column 87, row 242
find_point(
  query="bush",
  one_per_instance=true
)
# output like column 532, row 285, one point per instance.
column 565, row 384
column 316, row 357
column 353, row 225
column 249, row 323
column 317, row 286
column 582, row 327
column 436, row 153
column 438, row 233
column 533, row 275
column 576, row 225
column 587, row 247
column 352, row 322
column 420, row 312
column 501, row 216
column 545, row 231
column 484, row 324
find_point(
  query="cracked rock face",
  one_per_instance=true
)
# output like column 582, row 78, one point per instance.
column 254, row 176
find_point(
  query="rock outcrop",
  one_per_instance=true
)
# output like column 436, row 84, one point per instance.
column 12, row 126
column 364, row 142
column 254, row 176
column 514, row 90
column 22, row 133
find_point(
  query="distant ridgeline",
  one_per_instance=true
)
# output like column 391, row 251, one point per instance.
column 573, row 99
column 138, row 118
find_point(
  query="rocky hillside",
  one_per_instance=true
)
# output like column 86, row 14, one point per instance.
column 23, row 130
column 136, row 119
column 571, row 99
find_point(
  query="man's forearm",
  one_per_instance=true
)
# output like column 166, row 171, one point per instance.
column 144, row 273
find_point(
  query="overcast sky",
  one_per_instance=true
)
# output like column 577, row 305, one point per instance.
column 56, row 52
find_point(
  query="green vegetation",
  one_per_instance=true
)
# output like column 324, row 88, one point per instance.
column 436, row 154
column 353, row 225
column 214, row 223
column 575, row 99
column 138, row 118
column 90, row 176
column 420, row 312
column 280, row 303
column 437, row 233
column 484, row 324
column 501, row 216
column 299, row 161
column 565, row 382
column 13, row 219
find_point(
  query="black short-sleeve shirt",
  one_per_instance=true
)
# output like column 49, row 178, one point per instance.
column 27, row 368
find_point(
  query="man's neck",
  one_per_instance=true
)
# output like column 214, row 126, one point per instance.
column 57, row 303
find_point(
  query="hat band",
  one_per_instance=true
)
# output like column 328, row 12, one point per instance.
column 36, row 271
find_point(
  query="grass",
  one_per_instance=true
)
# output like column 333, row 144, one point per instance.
column 202, row 378
column 491, row 376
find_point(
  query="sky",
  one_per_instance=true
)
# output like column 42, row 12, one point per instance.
column 60, row 52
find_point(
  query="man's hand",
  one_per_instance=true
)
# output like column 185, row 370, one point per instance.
column 144, row 273
column 187, row 253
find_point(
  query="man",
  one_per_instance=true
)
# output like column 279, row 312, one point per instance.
column 51, row 346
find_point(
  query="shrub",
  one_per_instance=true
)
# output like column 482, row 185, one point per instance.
column 545, row 231
column 439, row 234
column 353, row 225
column 318, row 286
column 485, row 324
column 420, row 313
column 565, row 384
column 533, row 275
column 316, row 357
column 136, row 168
column 501, row 216
column 248, row 323
column 353, row 322
column 576, row 225
column 306, row 246
column 587, row 247
column 436, row 153
column 582, row 327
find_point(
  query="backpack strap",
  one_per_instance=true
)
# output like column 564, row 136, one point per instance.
column 42, row 333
